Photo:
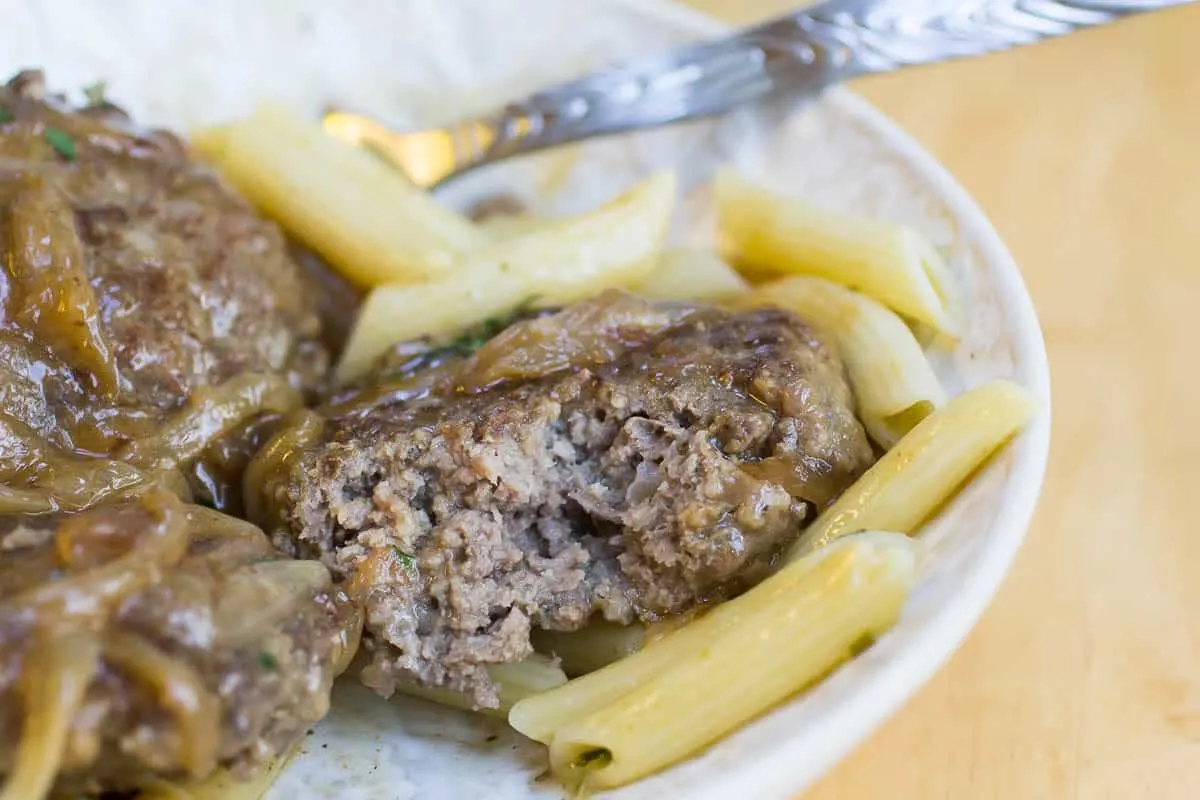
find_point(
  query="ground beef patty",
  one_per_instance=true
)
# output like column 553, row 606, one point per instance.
column 134, row 278
column 198, row 644
column 621, row 457
column 193, row 286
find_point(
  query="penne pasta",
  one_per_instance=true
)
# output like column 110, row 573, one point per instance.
column 789, row 635
column 770, row 234
column 926, row 467
column 595, row 646
column 516, row 681
column 344, row 203
column 509, row 226
column 539, row 717
column 893, row 384
column 615, row 245
column 401, row 312
column 692, row 274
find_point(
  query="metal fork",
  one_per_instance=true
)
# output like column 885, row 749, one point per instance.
column 785, row 57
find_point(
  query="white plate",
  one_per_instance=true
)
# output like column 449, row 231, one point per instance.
column 425, row 61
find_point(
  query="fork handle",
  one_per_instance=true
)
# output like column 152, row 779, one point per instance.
column 791, row 55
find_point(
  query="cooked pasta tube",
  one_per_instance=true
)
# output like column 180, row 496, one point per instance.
column 767, row 233
column 516, row 681
column 789, row 635
column 590, row 648
column 926, row 467
column 342, row 202
column 893, row 383
column 539, row 717
column 613, row 246
column 509, row 226
column 692, row 274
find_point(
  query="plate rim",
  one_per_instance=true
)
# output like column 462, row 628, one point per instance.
column 787, row 769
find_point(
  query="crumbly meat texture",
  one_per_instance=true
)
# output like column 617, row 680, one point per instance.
column 665, row 475
column 268, row 665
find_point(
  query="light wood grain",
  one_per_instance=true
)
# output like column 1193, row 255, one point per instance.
column 1083, row 679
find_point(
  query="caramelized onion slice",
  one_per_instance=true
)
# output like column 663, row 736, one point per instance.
column 226, row 542
column 88, row 598
column 54, row 480
column 180, row 690
column 53, row 295
column 351, row 617
column 209, row 414
column 256, row 598
column 586, row 334
column 271, row 463
column 25, row 501
column 52, row 686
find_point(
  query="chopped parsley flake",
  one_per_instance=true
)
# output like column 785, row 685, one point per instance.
column 95, row 93
column 61, row 141
column 408, row 560
column 477, row 337
column 268, row 661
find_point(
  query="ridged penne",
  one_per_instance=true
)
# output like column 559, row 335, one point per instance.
column 541, row 716
column 925, row 467
column 789, row 634
column 769, row 234
column 692, row 274
column 615, row 245
column 893, row 383
column 365, row 219
column 509, row 226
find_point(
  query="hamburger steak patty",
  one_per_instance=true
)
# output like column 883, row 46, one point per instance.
column 220, row 652
column 137, row 287
column 623, row 457
column 193, row 287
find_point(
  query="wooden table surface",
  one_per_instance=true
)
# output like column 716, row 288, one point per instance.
column 1083, row 679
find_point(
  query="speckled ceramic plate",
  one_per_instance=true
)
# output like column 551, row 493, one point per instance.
column 179, row 62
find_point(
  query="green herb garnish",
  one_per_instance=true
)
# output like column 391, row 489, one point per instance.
column 476, row 337
column 61, row 141
column 407, row 560
column 6, row 115
column 95, row 93
column 268, row 661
